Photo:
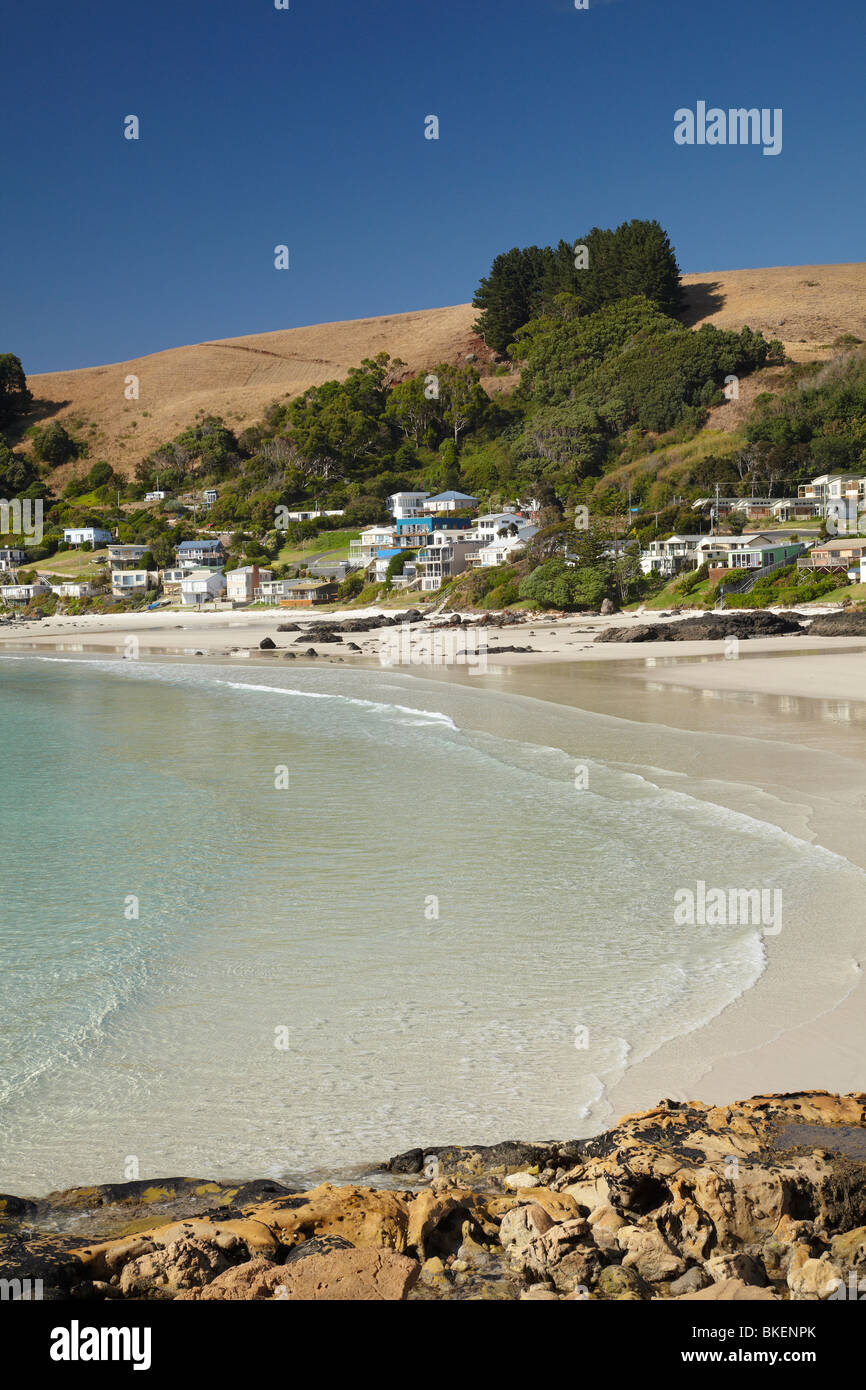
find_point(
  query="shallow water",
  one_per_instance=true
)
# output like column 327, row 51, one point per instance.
column 436, row 932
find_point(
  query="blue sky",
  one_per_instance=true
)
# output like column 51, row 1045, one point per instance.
column 306, row 128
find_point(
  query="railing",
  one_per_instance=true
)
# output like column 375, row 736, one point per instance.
column 748, row 582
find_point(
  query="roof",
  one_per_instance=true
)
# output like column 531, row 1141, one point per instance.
column 452, row 496
column 308, row 583
column 201, row 545
column 841, row 543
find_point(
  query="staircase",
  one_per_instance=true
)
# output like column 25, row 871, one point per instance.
column 750, row 579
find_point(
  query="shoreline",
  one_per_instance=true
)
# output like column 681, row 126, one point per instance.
column 651, row 717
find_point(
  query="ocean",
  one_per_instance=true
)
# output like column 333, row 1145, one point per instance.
column 285, row 921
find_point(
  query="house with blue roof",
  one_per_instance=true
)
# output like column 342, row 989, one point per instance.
column 451, row 501
column 201, row 554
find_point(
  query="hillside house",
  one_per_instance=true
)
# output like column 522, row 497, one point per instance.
column 201, row 554
column 86, row 535
column 451, row 501
column 406, row 504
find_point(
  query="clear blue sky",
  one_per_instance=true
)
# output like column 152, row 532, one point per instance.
column 306, row 127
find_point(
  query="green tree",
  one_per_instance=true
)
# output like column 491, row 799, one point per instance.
column 15, row 398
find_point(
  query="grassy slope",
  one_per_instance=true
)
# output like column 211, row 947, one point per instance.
column 806, row 306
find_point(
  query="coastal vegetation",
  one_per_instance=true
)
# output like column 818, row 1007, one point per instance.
column 610, row 407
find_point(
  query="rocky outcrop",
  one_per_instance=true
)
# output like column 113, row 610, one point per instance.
column 762, row 1199
column 708, row 627
column 851, row 624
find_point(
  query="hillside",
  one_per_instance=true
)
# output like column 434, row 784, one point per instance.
column 808, row 307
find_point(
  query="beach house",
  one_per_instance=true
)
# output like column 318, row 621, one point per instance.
column 371, row 540
column 11, row 557
column 201, row 554
column 241, row 584
column 123, row 556
column 132, row 583
column 667, row 557
column 502, row 550
column 843, row 554
column 201, row 586
column 444, row 557
column 71, row 588
column 23, row 593
column 307, row 593
column 451, row 501
column 753, row 552
column 86, row 535
column 404, row 504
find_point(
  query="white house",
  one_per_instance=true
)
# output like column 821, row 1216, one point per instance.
column 405, row 504
column 120, row 555
column 75, row 588
column 201, row 586
column 158, row 496
column 201, row 554
column 495, row 525
column 667, row 557
column 81, row 535
column 241, row 584
column 310, row 516
column 371, row 540
column 503, row 549
column 23, row 593
column 126, row 583
column 451, row 501
column 10, row 557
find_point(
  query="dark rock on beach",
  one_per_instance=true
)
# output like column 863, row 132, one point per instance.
column 267, row 644
column 839, row 625
column 708, row 627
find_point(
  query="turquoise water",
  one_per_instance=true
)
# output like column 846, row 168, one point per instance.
column 424, row 916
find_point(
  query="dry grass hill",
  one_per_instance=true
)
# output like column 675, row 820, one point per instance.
column 808, row 307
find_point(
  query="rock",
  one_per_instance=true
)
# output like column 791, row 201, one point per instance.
column 648, row 1252
column 522, row 1224
column 165, row 1272
column 412, row 1161
column 515, row 1182
column 565, row 1254
column 747, row 1268
column 616, row 1281
column 810, row 1279
column 715, row 627
column 288, row 627
column 267, row 644
column 592, row 1195
column 290, row 656
column 539, row 1293
column 849, row 1248
column 729, row 1291
column 692, row 1281
column 311, row 651
column 317, row 1245
column 340, row 1276
column 608, row 607
column 851, row 624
